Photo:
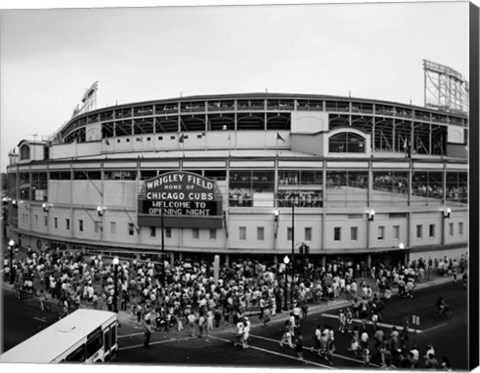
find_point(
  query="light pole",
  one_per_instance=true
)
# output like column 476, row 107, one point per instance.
column 286, row 260
column 293, row 249
column 163, row 249
column 11, row 243
column 115, row 284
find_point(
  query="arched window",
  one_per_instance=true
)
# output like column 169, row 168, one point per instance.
column 346, row 142
column 24, row 152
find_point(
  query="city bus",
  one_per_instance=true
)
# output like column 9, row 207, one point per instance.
column 85, row 336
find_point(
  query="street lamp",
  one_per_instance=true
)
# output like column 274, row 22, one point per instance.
column 447, row 212
column 293, row 249
column 401, row 246
column 286, row 260
column 115, row 283
column 371, row 215
column 11, row 243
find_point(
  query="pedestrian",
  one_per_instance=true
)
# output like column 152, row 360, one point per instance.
column 317, row 334
column 446, row 364
column 365, row 357
column 287, row 335
column 218, row 317
column 201, row 324
column 239, row 334
column 148, row 332
column 42, row 298
column 431, row 362
column 266, row 316
column 246, row 332
column 191, row 319
column 299, row 346
column 342, row 318
column 348, row 320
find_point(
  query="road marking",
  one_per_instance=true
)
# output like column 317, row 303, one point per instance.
column 279, row 354
column 434, row 327
column 129, row 335
column 385, row 325
column 42, row 320
column 156, row 343
column 313, row 351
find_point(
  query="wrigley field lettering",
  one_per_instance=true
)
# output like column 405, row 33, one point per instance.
column 181, row 199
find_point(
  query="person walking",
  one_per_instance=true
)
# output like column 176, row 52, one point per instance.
column 287, row 335
column 299, row 346
column 147, row 332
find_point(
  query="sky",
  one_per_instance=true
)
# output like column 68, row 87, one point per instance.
column 49, row 57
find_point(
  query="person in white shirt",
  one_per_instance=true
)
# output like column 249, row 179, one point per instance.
column 239, row 336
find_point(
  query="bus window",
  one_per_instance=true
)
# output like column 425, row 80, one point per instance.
column 94, row 343
column 107, row 339
column 77, row 355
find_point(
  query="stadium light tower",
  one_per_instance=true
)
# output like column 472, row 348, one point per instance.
column 445, row 88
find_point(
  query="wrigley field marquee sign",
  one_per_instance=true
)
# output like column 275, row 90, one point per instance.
column 180, row 199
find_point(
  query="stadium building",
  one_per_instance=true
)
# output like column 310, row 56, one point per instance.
column 233, row 174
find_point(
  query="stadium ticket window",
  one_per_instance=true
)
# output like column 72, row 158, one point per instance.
column 302, row 187
column 427, row 187
column 390, row 187
column 346, row 188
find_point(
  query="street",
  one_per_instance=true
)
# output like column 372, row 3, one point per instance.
column 449, row 336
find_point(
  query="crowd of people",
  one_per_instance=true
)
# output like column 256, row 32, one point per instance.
column 185, row 294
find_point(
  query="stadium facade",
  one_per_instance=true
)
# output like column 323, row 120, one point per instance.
column 232, row 174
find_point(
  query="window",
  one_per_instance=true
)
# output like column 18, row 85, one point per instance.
column 396, row 232
column 337, row 233
column 289, row 234
column 260, row 233
column 80, row 225
column 354, row 233
column 460, row 229
column 242, row 233
column 45, row 220
column 308, row 233
column 94, row 343
column 419, row 231
column 153, row 231
column 77, row 355
column 168, row 232
column 431, row 230
column 213, row 234
column 130, row 229
column 346, row 142
column 381, row 233
column 97, row 227
column 450, row 228
column 36, row 219
column 113, row 227
column 67, row 224
column 196, row 233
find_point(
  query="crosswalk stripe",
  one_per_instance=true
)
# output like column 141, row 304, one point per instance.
column 280, row 354
column 385, row 325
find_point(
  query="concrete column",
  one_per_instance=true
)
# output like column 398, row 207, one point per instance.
column 369, row 260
